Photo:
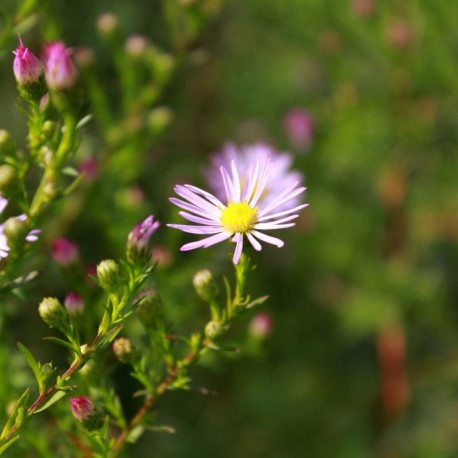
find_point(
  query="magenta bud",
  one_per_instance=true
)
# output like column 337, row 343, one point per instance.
column 137, row 242
column 299, row 126
column 26, row 66
column 60, row 71
column 84, row 411
column 74, row 304
column 261, row 325
column 64, row 252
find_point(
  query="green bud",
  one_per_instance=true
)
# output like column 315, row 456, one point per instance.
column 15, row 231
column 125, row 351
column 53, row 313
column 46, row 370
column 7, row 144
column 159, row 119
column 8, row 180
column 109, row 275
column 213, row 330
column 48, row 129
column 205, row 285
column 150, row 309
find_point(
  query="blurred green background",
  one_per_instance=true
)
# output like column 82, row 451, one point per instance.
column 362, row 358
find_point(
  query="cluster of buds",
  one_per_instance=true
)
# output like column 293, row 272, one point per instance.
column 56, row 68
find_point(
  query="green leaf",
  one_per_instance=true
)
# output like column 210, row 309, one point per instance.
column 258, row 301
column 52, row 400
column 20, row 402
column 33, row 363
column 61, row 342
column 8, row 443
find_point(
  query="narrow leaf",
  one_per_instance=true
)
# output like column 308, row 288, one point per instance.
column 33, row 363
column 52, row 400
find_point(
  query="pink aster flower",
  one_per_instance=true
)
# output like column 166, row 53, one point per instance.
column 60, row 71
column 32, row 236
column 280, row 176
column 26, row 66
column 241, row 215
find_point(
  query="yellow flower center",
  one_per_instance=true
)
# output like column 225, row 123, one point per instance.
column 239, row 217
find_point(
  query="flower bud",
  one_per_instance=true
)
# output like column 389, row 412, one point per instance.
column 109, row 275
column 53, row 313
column 125, row 351
column 8, row 180
column 74, row 304
column 261, row 325
column 150, row 309
column 136, row 45
column 159, row 119
column 65, row 253
column 7, row 144
column 28, row 72
column 84, row 411
column 46, row 370
column 213, row 330
column 15, row 231
column 137, row 242
column 300, row 127
column 60, row 71
column 107, row 24
column 205, row 285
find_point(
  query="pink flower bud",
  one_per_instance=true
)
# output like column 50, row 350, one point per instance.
column 299, row 126
column 26, row 66
column 363, row 8
column 74, row 303
column 261, row 325
column 90, row 168
column 137, row 243
column 64, row 252
column 60, row 71
column 84, row 411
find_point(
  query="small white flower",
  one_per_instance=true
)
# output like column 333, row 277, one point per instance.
column 241, row 216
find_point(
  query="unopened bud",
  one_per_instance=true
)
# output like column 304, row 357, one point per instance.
column 150, row 310
column 137, row 242
column 109, row 275
column 159, row 119
column 16, row 232
column 60, row 71
column 7, row 144
column 8, row 180
column 74, row 304
column 136, row 45
column 85, row 412
column 46, row 370
column 53, row 313
column 125, row 351
column 107, row 23
column 28, row 72
column 205, row 285
column 65, row 253
column 261, row 325
column 213, row 330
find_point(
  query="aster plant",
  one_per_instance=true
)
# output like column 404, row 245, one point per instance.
column 113, row 312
